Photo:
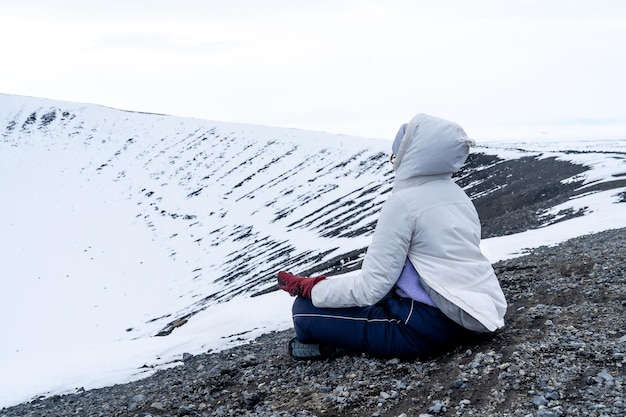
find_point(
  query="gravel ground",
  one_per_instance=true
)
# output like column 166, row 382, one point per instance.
column 562, row 353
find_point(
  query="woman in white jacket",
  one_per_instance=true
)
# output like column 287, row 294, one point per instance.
column 425, row 285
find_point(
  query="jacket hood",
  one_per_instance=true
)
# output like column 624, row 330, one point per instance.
column 430, row 146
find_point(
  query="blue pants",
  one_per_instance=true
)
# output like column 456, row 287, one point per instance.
column 394, row 328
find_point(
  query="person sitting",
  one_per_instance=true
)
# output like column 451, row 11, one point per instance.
column 425, row 286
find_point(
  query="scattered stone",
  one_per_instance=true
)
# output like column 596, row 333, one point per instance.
column 250, row 399
column 561, row 353
column 437, row 407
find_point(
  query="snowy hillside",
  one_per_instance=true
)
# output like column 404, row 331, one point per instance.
column 127, row 239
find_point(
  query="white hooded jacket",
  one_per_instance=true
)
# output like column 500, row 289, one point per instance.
column 429, row 219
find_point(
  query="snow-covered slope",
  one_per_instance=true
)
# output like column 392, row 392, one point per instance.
column 127, row 239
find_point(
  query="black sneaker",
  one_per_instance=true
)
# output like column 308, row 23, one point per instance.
column 312, row 351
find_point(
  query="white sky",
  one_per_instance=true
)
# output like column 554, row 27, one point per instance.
column 357, row 67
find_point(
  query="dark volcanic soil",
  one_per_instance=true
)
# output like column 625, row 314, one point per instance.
column 562, row 353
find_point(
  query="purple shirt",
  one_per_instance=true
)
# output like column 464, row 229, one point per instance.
column 409, row 285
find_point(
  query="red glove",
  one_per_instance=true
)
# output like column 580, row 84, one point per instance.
column 297, row 285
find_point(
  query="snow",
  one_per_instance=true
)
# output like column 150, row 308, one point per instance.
column 82, row 275
column 54, row 366
column 604, row 214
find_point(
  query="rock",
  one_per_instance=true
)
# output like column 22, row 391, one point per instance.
column 552, row 395
column 249, row 360
column 186, row 410
column 158, row 405
column 250, row 399
column 437, row 407
column 605, row 375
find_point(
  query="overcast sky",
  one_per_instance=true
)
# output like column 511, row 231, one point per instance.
column 357, row 67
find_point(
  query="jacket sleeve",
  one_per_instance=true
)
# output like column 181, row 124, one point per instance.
column 382, row 265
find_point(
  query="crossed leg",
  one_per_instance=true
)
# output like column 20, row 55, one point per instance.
column 397, row 327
